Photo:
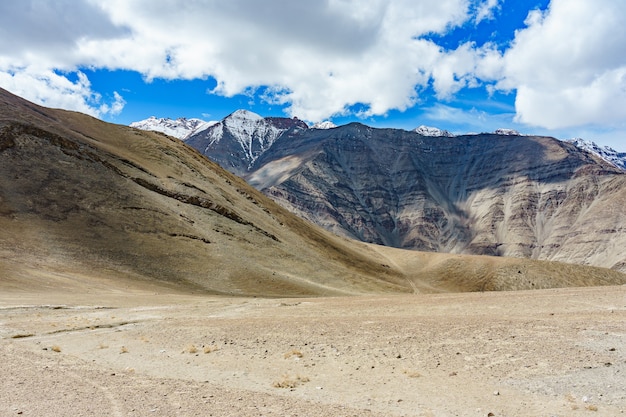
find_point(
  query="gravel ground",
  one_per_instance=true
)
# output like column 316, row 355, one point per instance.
column 528, row 353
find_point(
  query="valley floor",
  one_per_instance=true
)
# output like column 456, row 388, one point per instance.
column 555, row 352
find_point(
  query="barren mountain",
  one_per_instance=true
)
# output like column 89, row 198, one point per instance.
column 237, row 141
column 488, row 194
column 86, row 203
column 105, row 231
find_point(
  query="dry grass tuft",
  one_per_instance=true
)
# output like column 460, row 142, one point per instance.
column 411, row 373
column 289, row 382
column 191, row 349
column 591, row 407
column 56, row 348
column 293, row 352
column 209, row 349
column 103, row 346
column 123, row 349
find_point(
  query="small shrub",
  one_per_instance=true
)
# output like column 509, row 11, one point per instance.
column 412, row 374
column 289, row 382
column 293, row 352
column 209, row 349
column 56, row 348
column 192, row 349
column 124, row 349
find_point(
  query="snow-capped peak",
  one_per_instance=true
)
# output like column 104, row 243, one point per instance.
column 326, row 124
column 242, row 114
column 254, row 134
column 608, row 154
column 180, row 128
column 432, row 131
column 507, row 132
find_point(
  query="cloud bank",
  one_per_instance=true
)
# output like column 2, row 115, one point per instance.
column 566, row 66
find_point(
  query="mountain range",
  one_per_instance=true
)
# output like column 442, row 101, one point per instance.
column 87, row 204
column 500, row 193
column 183, row 128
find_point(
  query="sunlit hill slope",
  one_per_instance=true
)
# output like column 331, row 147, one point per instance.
column 82, row 201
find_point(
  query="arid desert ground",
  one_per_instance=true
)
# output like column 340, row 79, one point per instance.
column 150, row 351
column 137, row 278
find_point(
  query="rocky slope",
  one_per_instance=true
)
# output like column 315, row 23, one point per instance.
column 81, row 199
column 498, row 194
column 237, row 141
column 608, row 154
column 506, row 195
column 87, row 206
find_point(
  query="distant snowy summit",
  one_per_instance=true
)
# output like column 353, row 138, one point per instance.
column 254, row 134
column 433, row 131
column 436, row 132
column 327, row 124
column 608, row 154
column 238, row 140
column 180, row 128
column 508, row 132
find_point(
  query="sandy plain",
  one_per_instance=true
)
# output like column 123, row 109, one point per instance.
column 150, row 351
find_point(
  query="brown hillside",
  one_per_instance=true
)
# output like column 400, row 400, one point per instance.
column 86, row 204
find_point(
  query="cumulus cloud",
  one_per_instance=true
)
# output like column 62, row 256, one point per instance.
column 45, row 33
column 485, row 10
column 321, row 59
column 318, row 59
column 568, row 66
column 52, row 89
column 38, row 42
column 462, row 121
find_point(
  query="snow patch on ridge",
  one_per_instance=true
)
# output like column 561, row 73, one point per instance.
column 610, row 155
column 180, row 128
column 326, row 124
column 507, row 132
column 433, row 131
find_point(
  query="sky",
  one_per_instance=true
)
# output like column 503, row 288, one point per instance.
column 547, row 67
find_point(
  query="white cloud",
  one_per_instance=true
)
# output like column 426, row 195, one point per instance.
column 485, row 10
column 321, row 58
column 466, row 66
column 44, row 33
column 38, row 45
column 568, row 66
column 52, row 89
column 472, row 120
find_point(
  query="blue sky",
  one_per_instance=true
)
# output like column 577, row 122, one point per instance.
column 553, row 67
